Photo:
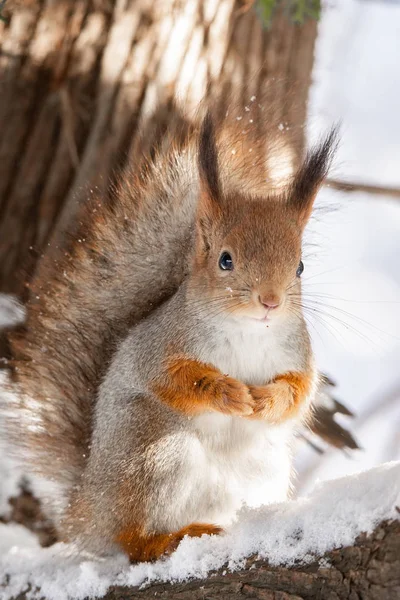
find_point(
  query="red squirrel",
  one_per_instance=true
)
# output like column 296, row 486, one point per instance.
column 198, row 406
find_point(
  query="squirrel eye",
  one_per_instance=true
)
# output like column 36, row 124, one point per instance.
column 225, row 262
column 300, row 269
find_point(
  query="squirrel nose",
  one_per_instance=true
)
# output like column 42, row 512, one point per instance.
column 269, row 302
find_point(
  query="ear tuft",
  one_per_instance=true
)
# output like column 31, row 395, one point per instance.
column 208, row 159
column 312, row 173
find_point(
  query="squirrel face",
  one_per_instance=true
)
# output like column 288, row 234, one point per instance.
column 247, row 257
column 247, row 260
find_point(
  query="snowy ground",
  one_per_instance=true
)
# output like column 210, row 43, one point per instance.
column 286, row 533
column 354, row 279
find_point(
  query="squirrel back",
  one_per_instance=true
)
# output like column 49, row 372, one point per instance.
column 128, row 257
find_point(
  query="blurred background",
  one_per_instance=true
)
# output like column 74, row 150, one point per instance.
column 353, row 274
column 80, row 79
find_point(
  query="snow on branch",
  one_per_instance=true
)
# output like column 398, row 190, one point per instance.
column 294, row 534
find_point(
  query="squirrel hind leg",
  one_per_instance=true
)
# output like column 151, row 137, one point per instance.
column 142, row 547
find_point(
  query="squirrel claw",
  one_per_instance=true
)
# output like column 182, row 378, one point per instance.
column 274, row 402
column 233, row 397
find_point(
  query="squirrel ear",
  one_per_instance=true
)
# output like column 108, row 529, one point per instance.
column 208, row 161
column 210, row 188
column 311, row 175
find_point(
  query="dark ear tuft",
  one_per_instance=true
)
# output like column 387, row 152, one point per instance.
column 208, row 159
column 312, row 173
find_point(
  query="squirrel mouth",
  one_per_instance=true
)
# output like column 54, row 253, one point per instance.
column 265, row 319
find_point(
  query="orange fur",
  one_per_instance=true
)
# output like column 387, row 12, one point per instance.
column 282, row 398
column 192, row 387
column 142, row 547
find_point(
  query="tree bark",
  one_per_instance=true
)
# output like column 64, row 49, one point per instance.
column 369, row 570
column 78, row 77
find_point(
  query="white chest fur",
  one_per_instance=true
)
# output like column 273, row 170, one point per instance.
column 247, row 462
column 254, row 354
column 226, row 462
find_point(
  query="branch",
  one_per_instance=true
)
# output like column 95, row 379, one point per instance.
column 301, row 533
column 347, row 186
column 370, row 570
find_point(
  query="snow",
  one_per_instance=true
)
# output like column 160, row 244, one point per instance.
column 9, row 483
column 11, row 311
column 287, row 533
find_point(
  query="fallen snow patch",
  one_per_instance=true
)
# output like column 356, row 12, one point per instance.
column 10, row 479
column 333, row 515
column 11, row 311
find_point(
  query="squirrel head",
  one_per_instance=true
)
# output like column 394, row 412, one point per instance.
column 247, row 259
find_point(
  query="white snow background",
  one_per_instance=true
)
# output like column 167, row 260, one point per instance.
column 352, row 274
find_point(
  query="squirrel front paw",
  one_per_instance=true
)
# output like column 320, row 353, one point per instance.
column 273, row 402
column 282, row 399
column 227, row 395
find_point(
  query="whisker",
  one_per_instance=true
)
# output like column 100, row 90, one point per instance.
column 328, row 327
column 326, row 318
column 337, row 309
column 332, row 297
column 307, row 278
column 301, row 315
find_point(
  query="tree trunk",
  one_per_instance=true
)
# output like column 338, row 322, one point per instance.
column 78, row 77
